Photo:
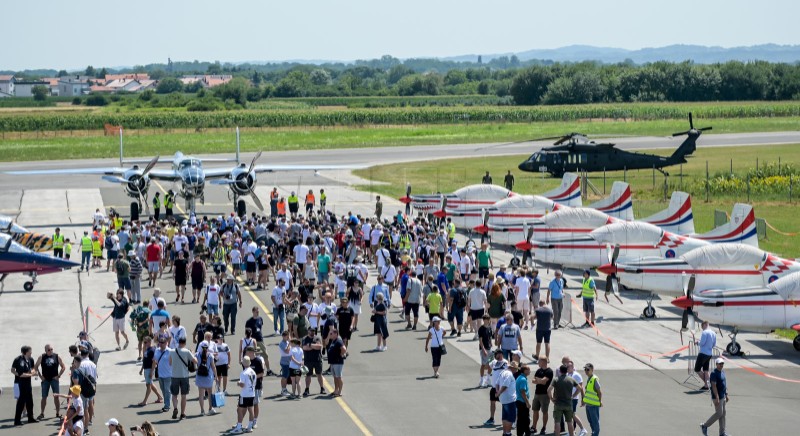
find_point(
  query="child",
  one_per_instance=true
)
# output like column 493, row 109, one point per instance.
column 74, row 410
column 67, row 248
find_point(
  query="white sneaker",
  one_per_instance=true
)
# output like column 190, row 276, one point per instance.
column 284, row 393
column 254, row 424
column 212, row 411
column 237, row 430
column 480, row 383
column 378, row 348
column 385, row 347
column 583, row 432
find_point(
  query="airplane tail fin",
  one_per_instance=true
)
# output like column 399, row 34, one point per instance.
column 619, row 204
column 740, row 229
column 686, row 148
column 568, row 192
column 677, row 218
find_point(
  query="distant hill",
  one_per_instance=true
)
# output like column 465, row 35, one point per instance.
column 674, row 53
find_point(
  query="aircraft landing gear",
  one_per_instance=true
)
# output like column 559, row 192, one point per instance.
column 649, row 312
column 733, row 348
column 28, row 286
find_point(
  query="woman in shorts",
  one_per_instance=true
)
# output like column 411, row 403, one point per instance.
column 222, row 363
column 295, row 366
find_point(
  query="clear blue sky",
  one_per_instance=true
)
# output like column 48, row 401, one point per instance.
column 74, row 33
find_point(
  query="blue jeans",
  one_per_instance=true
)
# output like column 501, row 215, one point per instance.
column 593, row 415
column 165, row 383
column 213, row 309
column 279, row 315
column 86, row 259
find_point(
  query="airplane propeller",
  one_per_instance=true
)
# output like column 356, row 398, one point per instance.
column 483, row 229
column 255, row 199
column 612, row 281
column 527, row 232
column 253, row 162
column 441, row 213
column 687, row 323
column 691, row 128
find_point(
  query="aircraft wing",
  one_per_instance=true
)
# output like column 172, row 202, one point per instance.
column 274, row 168
column 168, row 175
column 108, row 171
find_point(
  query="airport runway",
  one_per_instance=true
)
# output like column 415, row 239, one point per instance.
column 392, row 392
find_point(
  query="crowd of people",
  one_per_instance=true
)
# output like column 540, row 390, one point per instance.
column 322, row 268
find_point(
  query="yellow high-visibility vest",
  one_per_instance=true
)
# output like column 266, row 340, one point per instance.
column 86, row 244
column 58, row 241
column 293, row 199
column 590, row 397
column 588, row 288
column 97, row 249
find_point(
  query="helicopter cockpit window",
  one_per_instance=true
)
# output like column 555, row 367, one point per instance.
column 535, row 157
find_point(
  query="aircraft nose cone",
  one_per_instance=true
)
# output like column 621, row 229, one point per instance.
column 194, row 178
column 607, row 269
column 440, row 213
column 405, row 200
column 523, row 245
column 682, row 302
column 481, row 229
column 524, row 166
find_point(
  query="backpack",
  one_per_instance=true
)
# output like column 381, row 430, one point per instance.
column 460, row 299
column 94, row 352
column 350, row 275
column 88, row 384
column 202, row 368
column 109, row 244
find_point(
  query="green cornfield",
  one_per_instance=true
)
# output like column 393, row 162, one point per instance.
column 28, row 122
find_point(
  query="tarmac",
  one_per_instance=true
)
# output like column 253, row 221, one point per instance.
column 642, row 363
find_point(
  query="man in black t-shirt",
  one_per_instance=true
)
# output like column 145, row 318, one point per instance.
column 50, row 367
column 312, row 357
column 485, row 336
column 336, row 352
column 198, row 335
column 541, row 400
column 23, row 372
column 345, row 315
column 255, row 323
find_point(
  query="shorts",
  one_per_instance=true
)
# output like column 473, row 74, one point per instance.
column 257, row 398
column 524, row 305
column 486, row 357
column 179, row 385
column 219, row 268
column 322, row 277
column 356, row 308
column 588, row 305
column 702, row 362
column 124, row 283
column 246, row 401
column 543, row 335
column 345, row 333
column 493, row 395
column 118, row 324
column 47, row 385
column 285, row 371
column 510, row 412
column 250, row 267
column 535, row 298
column 337, row 370
column 153, row 267
column 560, row 411
column 411, row 307
column 541, row 402
column 295, row 372
column 212, row 309
column 112, row 254
column 483, row 272
column 314, row 368
column 140, row 335
column 148, row 376
column 476, row 314
column 222, row 370
column 457, row 315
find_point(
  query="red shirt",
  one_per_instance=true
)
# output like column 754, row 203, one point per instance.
column 153, row 253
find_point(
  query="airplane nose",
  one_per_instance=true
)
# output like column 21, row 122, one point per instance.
column 481, row 229
column 405, row 200
column 607, row 269
column 682, row 302
column 440, row 213
column 524, row 245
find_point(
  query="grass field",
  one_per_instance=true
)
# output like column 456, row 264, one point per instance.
column 50, row 145
column 449, row 175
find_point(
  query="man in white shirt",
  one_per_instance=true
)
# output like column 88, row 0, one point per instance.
column 382, row 257
column 247, row 381
column 476, row 300
column 286, row 275
column 523, row 288
column 507, row 394
column 301, row 256
column 278, row 311
column 465, row 265
column 389, row 274
column 374, row 240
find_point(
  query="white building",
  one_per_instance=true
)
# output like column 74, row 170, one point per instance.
column 7, row 86
column 69, row 86
column 25, row 89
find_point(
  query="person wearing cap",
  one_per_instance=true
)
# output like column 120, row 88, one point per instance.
column 719, row 397
column 75, row 410
column 498, row 364
column 115, row 428
column 231, row 303
column 507, row 395
column 592, row 399
column 436, row 332
column 589, row 294
column 247, row 381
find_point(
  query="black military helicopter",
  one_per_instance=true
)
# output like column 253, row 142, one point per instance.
column 575, row 152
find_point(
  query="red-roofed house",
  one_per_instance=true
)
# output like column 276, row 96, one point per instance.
column 131, row 76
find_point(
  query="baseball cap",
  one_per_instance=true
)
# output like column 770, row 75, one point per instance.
column 82, row 334
column 204, row 345
column 112, row 421
column 249, row 348
column 131, row 253
column 436, row 319
column 586, row 271
column 719, row 360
